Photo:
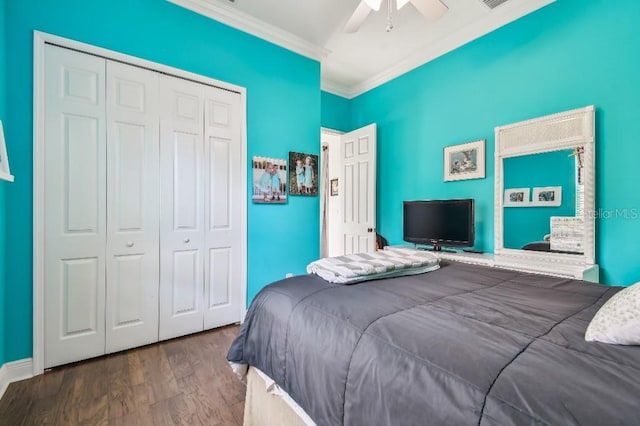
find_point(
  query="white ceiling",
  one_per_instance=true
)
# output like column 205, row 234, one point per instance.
column 355, row 63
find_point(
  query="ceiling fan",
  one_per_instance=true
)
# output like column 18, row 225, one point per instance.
column 430, row 9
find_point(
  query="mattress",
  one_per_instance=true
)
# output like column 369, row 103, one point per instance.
column 465, row 344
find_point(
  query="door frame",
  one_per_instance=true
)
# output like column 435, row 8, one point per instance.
column 40, row 40
column 332, row 133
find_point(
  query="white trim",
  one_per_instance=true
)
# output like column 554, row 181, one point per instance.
column 328, row 131
column 335, row 88
column 494, row 20
column 14, row 371
column 40, row 39
column 234, row 18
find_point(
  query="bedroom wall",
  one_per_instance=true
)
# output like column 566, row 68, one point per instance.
column 523, row 225
column 570, row 54
column 336, row 112
column 3, row 184
column 283, row 96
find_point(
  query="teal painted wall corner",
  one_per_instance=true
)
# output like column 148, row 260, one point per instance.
column 336, row 112
column 567, row 55
column 283, row 114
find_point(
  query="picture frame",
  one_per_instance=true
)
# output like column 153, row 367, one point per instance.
column 516, row 197
column 334, row 187
column 464, row 161
column 269, row 177
column 303, row 174
column 547, row 196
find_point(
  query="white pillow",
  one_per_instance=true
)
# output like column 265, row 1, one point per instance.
column 618, row 320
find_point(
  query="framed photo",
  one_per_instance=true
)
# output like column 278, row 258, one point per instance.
column 516, row 197
column 465, row 161
column 303, row 174
column 269, row 180
column 547, row 196
column 334, row 187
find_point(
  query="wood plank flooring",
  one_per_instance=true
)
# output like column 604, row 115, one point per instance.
column 185, row 381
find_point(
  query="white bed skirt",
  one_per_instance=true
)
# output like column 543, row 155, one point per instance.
column 267, row 404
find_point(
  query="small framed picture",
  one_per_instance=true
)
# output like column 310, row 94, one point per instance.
column 547, row 196
column 334, row 187
column 465, row 161
column 516, row 197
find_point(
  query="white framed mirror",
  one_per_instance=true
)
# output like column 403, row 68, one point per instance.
column 545, row 195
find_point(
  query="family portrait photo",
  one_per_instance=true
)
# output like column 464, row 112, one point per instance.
column 547, row 196
column 516, row 197
column 269, row 180
column 303, row 174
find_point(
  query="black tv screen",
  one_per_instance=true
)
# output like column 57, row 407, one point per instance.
column 439, row 223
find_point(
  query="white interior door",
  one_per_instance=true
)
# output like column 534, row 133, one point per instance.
column 75, row 205
column 358, row 183
column 133, row 207
column 223, row 234
column 182, row 229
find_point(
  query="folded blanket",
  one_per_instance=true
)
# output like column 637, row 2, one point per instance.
column 392, row 262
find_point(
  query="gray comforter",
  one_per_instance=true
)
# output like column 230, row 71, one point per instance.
column 462, row 345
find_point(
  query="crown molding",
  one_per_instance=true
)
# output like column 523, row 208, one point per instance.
column 239, row 20
column 232, row 17
column 496, row 19
column 335, row 88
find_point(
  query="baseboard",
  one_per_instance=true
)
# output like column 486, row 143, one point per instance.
column 14, row 372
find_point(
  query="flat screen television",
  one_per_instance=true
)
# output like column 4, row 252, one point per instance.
column 439, row 223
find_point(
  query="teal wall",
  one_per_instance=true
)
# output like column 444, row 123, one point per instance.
column 569, row 54
column 523, row 225
column 283, row 96
column 336, row 112
column 3, row 205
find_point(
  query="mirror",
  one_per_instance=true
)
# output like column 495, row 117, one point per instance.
column 538, row 187
column 545, row 194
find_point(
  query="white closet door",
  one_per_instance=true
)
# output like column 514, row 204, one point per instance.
column 182, row 212
column 75, row 236
column 133, row 207
column 223, row 168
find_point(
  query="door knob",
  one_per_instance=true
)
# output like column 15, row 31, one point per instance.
column 186, row 240
column 369, row 229
column 130, row 244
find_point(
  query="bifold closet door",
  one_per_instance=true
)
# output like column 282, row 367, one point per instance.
column 75, row 205
column 133, row 205
column 201, row 235
column 223, row 171
column 182, row 207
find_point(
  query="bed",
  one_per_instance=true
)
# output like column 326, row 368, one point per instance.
column 464, row 344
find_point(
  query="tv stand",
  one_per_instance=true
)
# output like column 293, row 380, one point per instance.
column 484, row 259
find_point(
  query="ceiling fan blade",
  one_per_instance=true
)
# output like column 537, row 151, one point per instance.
column 357, row 19
column 431, row 9
column 373, row 4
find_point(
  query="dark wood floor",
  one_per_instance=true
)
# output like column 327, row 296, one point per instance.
column 185, row 381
